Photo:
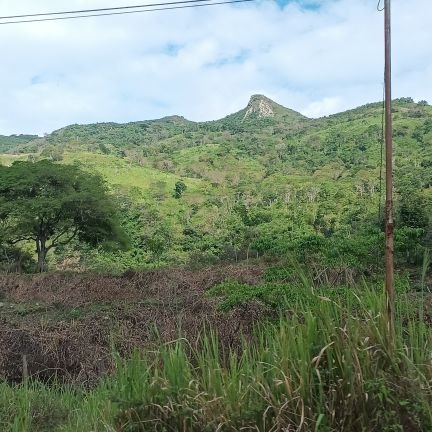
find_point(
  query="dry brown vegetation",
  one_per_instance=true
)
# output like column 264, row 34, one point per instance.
column 67, row 325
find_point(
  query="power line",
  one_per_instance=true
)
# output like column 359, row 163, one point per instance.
column 128, row 11
column 110, row 9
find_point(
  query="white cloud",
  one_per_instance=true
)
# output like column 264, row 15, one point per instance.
column 206, row 62
column 323, row 107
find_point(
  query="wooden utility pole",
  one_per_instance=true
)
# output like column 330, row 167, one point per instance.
column 389, row 246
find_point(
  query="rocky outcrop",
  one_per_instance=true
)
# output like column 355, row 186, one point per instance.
column 259, row 106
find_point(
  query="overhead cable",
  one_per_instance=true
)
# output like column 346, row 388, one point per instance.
column 107, row 9
column 128, row 12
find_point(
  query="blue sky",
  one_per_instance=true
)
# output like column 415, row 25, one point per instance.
column 306, row 4
column 317, row 57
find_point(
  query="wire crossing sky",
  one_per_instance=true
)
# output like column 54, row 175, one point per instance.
column 108, row 9
column 125, row 10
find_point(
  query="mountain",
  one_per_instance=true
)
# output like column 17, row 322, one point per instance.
column 261, row 107
column 265, row 178
column 264, row 134
column 259, row 112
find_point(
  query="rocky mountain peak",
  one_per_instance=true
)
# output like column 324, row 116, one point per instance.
column 260, row 106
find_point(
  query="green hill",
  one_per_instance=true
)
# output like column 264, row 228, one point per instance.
column 12, row 142
column 263, row 181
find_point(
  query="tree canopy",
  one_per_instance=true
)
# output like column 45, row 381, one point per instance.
column 53, row 204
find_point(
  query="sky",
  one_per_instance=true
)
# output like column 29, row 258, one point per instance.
column 316, row 57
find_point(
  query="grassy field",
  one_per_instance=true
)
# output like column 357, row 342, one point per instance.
column 9, row 159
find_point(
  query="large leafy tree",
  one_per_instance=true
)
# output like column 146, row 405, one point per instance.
column 53, row 204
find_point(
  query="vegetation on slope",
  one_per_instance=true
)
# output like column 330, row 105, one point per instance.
column 12, row 142
column 265, row 181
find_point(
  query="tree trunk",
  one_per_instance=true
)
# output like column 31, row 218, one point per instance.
column 41, row 253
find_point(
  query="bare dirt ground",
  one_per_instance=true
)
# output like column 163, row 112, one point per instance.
column 66, row 326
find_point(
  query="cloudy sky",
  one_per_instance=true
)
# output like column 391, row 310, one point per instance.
column 317, row 57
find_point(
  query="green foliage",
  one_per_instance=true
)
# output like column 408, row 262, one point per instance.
column 412, row 211
column 104, row 149
column 259, row 186
column 51, row 204
column 53, row 153
column 159, row 241
column 10, row 143
column 179, row 188
column 282, row 188
column 274, row 295
column 13, row 259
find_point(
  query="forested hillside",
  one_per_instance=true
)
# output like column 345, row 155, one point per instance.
column 263, row 182
column 12, row 142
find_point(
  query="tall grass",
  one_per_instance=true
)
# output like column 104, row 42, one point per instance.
column 328, row 365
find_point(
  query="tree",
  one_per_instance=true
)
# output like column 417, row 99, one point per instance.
column 180, row 187
column 159, row 241
column 104, row 149
column 412, row 210
column 52, row 204
column 55, row 153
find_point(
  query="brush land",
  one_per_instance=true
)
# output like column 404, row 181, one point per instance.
column 249, row 292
